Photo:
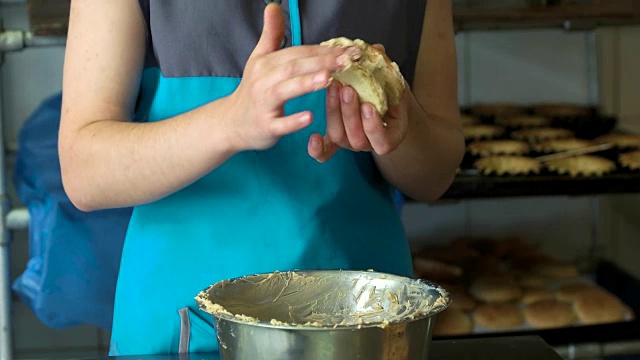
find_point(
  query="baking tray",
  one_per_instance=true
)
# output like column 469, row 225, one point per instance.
column 469, row 183
column 611, row 278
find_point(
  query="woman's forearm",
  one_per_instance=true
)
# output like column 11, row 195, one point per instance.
column 144, row 162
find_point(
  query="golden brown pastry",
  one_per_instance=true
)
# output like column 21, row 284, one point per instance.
column 523, row 121
column 482, row 131
column 581, row 165
column 558, row 145
column 630, row 160
column 532, row 295
column 598, row 307
column 508, row 165
column 498, row 147
column 570, row 292
column 549, row 314
column 623, row 141
column 452, row 322
column 531, row 281
column 542, row 134
column 495, row 290
column 461, row 300
column 556, row 270
column 468, row 119
column 498, row 316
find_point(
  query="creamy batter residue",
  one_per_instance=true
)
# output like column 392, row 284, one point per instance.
column 323, row 299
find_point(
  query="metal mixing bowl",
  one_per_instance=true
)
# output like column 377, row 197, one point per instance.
column 324, row 315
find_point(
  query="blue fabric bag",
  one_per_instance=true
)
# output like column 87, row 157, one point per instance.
column 74, row 257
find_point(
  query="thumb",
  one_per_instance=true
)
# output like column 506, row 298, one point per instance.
column 272, row 30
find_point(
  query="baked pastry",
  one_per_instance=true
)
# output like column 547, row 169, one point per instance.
column 498, row 316
column 532, row 295
column 581, row 165
column 531, row 282
column 497, row 109
column 508, row 165
column 630, row 160
column 542, row 134
column 495, row 290
column 452, row 322
column 461, row 300
column 549, row 314
column 562, row 110
column 498, row 147
column 435, row 270
column 623, row 141
column 482, row 131
column 556, row 270
column 598, row 307
column 468, row 119
column 558, row 145
column 523, row 121
column 375, row 78
column 570, row 292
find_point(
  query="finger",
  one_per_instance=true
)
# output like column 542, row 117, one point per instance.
column 335, row 126
column 304, row 66
column 272, row 31
column 379, row 47
column 290, row 124
column 350, row 109
column 348, row 53
column 298, row 86
column 379, row 137
column 321, row 149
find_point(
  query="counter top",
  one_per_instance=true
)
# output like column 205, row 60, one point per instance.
column 498, row 348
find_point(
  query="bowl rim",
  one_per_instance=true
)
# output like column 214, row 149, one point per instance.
column 446, row 296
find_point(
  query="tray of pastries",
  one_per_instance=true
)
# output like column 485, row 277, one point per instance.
column 510, row 150
column 506, row 286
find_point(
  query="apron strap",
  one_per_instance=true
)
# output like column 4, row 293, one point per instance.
column 296, row 28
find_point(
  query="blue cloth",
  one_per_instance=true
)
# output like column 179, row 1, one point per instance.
column 74, row 256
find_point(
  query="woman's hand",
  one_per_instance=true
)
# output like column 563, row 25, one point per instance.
column 271, row 78
column 358, row 127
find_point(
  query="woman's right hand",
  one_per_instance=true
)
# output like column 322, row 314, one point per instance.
column 272, row 77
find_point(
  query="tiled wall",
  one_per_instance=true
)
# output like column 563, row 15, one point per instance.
column 508, row 66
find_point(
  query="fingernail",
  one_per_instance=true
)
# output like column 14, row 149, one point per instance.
column 320, row 79
column 347, row 95
column 315, row 143
column 343, row 60
column 353, row 53
column 367, row 111
column 304, row 118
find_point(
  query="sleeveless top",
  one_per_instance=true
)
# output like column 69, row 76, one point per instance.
column 261, row 211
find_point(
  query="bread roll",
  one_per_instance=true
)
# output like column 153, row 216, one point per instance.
column 375, row 78
column 598, row 307
column 498, row 316
column 549, row 314
column 452, row 322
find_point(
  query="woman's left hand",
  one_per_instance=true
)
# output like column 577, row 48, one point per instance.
column 358, row 127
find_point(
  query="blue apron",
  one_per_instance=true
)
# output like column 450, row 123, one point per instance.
column 259, row 212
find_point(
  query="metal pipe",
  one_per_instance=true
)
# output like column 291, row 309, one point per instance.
column 17, row 219
column 6, row 341
column 31, row 40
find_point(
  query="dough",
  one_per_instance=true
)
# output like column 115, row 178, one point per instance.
column 375, row 78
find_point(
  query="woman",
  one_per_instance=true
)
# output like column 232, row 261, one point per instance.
column 216, row 122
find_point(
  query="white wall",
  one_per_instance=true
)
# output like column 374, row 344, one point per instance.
column 509, row 66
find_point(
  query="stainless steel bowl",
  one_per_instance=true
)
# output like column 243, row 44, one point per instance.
column 324, row 315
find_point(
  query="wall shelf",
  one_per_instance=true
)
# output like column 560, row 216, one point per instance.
column 568, row 15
